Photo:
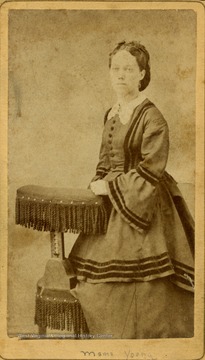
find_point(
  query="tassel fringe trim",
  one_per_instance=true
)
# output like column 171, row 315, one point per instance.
column 48, row 216
column 60, row 314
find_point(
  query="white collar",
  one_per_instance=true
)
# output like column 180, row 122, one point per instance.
column 125, row 111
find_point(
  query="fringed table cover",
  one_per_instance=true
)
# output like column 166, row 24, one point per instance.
column 61, row 210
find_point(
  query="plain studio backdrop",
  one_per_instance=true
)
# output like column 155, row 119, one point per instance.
column 59, row 90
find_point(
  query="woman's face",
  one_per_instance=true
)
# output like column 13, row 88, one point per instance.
column 125, row 74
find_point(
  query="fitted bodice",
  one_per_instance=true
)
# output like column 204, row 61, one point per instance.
column 113, row 141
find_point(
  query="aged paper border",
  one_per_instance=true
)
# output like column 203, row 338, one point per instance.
column 13, row 348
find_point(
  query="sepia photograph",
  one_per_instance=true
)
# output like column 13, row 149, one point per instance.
column 102, row 158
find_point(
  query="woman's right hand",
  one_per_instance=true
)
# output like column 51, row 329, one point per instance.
column 99, row 187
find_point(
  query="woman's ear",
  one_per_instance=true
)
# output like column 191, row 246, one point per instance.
column 142, row 74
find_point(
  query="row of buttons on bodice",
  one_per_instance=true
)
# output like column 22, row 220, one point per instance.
column 110, row 135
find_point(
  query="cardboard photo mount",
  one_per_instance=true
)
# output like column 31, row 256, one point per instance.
column 41, row 348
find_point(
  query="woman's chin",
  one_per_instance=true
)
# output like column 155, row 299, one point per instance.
column 121, row 90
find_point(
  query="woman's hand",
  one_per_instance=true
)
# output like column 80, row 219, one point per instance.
column 98, row 187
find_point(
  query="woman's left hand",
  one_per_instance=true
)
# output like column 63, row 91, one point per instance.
column 98, row 187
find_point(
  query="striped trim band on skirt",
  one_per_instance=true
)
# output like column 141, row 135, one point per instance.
column 135, row 270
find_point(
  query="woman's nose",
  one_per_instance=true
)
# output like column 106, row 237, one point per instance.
column 121, row 74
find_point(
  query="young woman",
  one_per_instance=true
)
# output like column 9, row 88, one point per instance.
column 136, row 281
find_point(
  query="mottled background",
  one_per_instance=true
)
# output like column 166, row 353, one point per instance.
column 59, row 90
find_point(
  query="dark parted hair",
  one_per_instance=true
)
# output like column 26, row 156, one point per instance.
column 141, row 55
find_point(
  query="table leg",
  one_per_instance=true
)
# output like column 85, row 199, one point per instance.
column 56, row 308
column 57, row 245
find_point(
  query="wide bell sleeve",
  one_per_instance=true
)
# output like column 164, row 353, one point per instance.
column 134, row 193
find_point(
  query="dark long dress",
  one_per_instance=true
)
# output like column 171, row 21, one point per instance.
column 136, row 281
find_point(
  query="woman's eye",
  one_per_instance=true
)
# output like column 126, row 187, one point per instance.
column 129, row 69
